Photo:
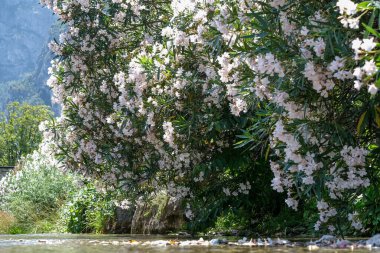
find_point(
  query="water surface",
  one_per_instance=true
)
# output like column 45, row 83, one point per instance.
column 116, row 243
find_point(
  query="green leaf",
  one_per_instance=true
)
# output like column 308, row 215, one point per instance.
column 267, row 153
column 377, row 117
column 370, row 30
column 366, row 5
column 360, row 123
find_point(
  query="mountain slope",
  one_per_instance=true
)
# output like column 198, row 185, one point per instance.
column 25, row 29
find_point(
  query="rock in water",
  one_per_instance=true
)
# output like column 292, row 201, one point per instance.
column 218, row 241
column 326, row 240
column 244, row 240
column 341, row 244
column 374, row 241
column 279, row 241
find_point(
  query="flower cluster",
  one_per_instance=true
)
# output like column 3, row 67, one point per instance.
column 147, row 88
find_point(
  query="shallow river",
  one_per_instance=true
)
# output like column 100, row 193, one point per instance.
column 116, row 244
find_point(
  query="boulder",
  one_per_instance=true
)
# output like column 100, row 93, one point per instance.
column 374, row 241
column 123, row 220
column 158, row 216
column 326, row 240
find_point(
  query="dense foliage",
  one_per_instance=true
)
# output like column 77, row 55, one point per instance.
column 32, row 195
column 19, row 131
column 155, row 95
column 89, row 211
column 37, row 197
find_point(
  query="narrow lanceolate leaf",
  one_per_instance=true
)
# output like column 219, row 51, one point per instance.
column 377, row 116
column 267, row 153
column 371, row 30
column 360, row 123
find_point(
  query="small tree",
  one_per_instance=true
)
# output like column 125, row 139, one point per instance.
column 19, row 134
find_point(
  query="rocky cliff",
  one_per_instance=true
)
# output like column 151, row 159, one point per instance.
column 24, row 32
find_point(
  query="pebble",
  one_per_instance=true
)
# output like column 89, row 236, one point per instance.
column 326, row 241
column 312, row 247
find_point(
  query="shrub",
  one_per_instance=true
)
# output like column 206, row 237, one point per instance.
column 34, row 192
column 154, row 95
column 88, row 211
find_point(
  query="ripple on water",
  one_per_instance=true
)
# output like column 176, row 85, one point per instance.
column 57, row 243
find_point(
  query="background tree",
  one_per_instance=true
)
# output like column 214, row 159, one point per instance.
column 19, row 131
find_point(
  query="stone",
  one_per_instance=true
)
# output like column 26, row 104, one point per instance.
column 123, row 220
column 244, row 240
column 158, row 216
column 326, row 240
column 218, row 241
column 341, row 244
column 374, row 241
column 278, row 241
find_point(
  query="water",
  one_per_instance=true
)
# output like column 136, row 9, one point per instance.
column 116, row 244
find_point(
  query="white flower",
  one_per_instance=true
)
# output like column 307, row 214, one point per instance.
column 277, row 3
column 368, row 44
column 356, row 44
column 292, row 203
column 237, row 106
column 167, row 32
column 319, row 47
column 358, row 84
column 370, row 67
column 350, row 22
column 372, row 89
column 304, row 31
column 346, row 7
column 353, row 23
column 336, row 64
column 317, row 225
column 358, row 73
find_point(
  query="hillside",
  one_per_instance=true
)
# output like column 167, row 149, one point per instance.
column 25, row 29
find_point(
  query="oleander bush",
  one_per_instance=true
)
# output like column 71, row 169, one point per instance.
column 200, row 98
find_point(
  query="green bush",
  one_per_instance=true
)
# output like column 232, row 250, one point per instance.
column 33, row 193
column 88, row 211
column 231, row 221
